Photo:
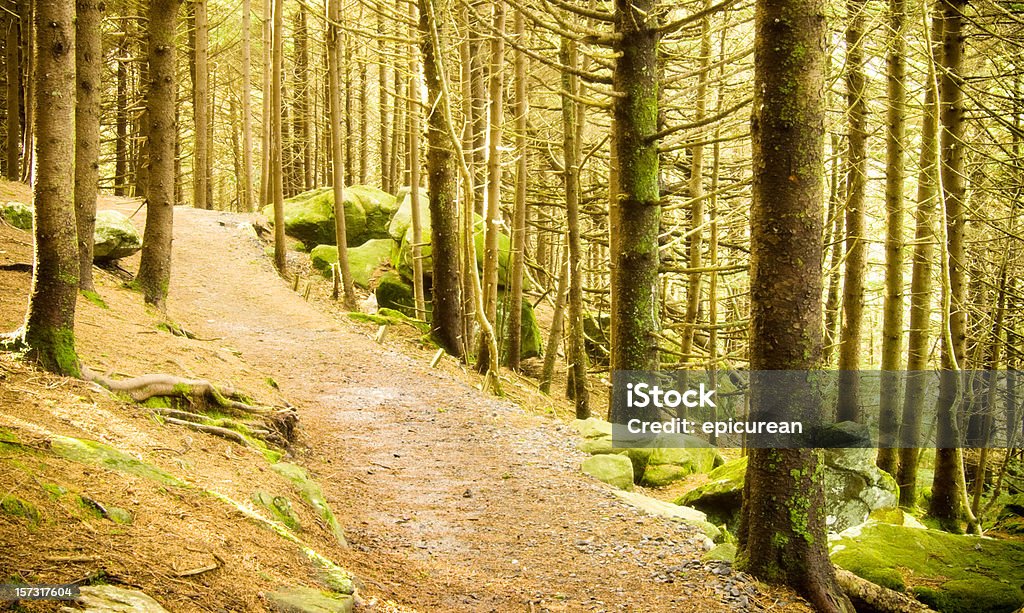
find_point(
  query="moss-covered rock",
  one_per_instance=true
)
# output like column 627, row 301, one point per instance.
column 115, row 237
column 394, row 293
column 1011, row 517
column 309, row 216
column 615, row 470
column 722, row 495
column 114, row 599
column 854, row 486
column 723, row 552
column 309, row 600
column 280, row 507
column 667, row 510
column 666, row 465
column 310, row 491
column 403, row 260
column 951, row 573
column 362, row 260
column 401, row 221
column 531, row 343
column 92, row 452
column 18, row 214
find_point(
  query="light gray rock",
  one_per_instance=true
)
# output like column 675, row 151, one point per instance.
column 615, row 470
column 113, row 599
column 114, row 237
column 309, row 600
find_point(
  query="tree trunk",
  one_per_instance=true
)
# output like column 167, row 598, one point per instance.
column 555, row 335
column 121, row 128
column 419, row 299
column 446, row 317
column 892, row 309
column 50, row 323
column 89, row 69
column 948, row 503
column 302, row 100
column 382, row 93
column 277, row 136
column 492, row 216
column 856, row 217
column 575, row 354
column 29, row 69
column 518, row 255
column 268, row 97
column 12, row 170
column 334, row 51
column 637, row 217
column 246, row 203
column 918, row 341
column 201, row 104
column 782, row 526
column 155, row 267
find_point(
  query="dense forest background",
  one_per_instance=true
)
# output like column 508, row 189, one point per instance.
column 600, row 158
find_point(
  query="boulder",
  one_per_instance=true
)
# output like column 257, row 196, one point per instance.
column 18, row 214
column 401, row 221
column 667, row 510
column 720, row 498
column 403, row 261
column 950, row 573
column 113, row 599
column 114, row 237
column 1011, row 518
column 854, row 487
column 362, row 260
column 309, row 600
column 309, row 216
column 530, row 342
column 615, row 470
column 666, row 465
column 394, row 293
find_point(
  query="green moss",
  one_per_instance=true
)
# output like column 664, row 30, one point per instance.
column 950, row 572
column 310, row 491
column 16, row 507
column 280, row 507
column 92, row 452
column 389, row 317
column 94, row 298
column 159, row 402
column 54, row 491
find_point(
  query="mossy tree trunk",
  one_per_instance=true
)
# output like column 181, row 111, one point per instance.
column 155, row 267
column 50, row 323
column 892, row 310
column 89, row 71
column 919, row 337
column 782, row 526
column 948, row 503
column 571, row 131
column 446, row 317
column 636, row 217
column 848, row 408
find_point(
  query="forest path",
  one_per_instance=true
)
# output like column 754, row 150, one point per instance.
column 451, row 499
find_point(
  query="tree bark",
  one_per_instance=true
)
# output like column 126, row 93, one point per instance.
column 892, row 308
column 89, row 72
column 277, row 136
column 50, row 323
column 155, row 267
column 419, row 299
column 201, row 104
column 12, row 170
column 334, row 51
column 518, row 255
column 782, row 525
column 246, row 203
column 121, row 129
column 446, row 317
column 637, row 216
column 849, row 408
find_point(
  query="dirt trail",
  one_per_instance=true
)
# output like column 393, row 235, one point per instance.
column 451, row 500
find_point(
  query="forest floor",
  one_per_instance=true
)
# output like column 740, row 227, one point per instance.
column 451, row 499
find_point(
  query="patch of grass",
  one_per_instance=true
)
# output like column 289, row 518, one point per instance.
column 94, row 298
column 310, row 491
column 16, row 507
column 92, row 452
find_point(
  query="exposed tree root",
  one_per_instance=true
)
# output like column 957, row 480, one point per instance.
column 273, row 425
column 867, row 596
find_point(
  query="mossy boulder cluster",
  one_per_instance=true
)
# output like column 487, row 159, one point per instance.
column 114, row 237
column 854, row 488
column 363, row 260
column 652, row 466
column 950, row 573
column 1011, row 517
column 309, row 216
